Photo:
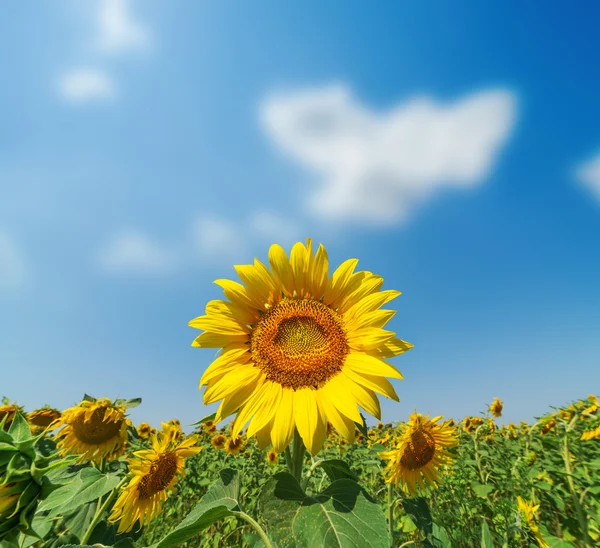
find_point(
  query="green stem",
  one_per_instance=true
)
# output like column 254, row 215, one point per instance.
column 263, row 536
column 298, row 456
column 289, row 462
column 580, row 515
column 390, row 502
column 477, row 457
column 100, row 510
column 314, row 466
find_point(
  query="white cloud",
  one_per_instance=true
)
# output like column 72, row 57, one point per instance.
column 133, row 251
column 13, row 270
column 119, row 30
column 588, row 174
column 374, row 167
column 86, row 84
column 217, row 239
column 274, row 228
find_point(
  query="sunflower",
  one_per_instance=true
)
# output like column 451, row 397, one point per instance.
column 592, row 433
column 496, row 408
column 471, row 423
column 209, row 427
column 144, row 430
column 218, row 441
column 95, row 430
column 272, row 457
column 420, row 452
column 233, row 446
column 528, row 511
column 548, row 425
column 172, row 429
column 299, row 347
column 155, row 472
column 40, row 419
column 8, row 412
column 594, row 405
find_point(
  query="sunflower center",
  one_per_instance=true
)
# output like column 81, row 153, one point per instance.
column 299, row 343
column 419, row 450
column 95, row 431
column 162, row 471
column 43, row 418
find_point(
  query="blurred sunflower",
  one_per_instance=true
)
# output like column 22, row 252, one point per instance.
column 299, row 347
column 155, row 472
column 496, row 408
column 40, row 419
column 528, row 511
column 9, row 497
column 234, row 445
column 144, row 430
column 272, row 457
column 547, row 426
column 471, row 423
column 593, row 433
column 95, row 430
column 209, row 427
column 8, row 412
column 594, row 404
column 420, row 452
column 218, row 441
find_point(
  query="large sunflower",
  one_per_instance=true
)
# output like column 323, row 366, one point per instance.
column 299, row 347
column 155, row 472
column 95, row 430
column 420, row 452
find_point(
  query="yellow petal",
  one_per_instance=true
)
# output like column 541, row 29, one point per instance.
column 258, row 281
column 298, row 260
column 377, row 384
column 217, row 340
column 393, row 347
column 219, row 324
column 235, row 356
column 339, row 279
column 309, row 420
column 368, row 338
column 235, row 400
column 337, row 392
column 263, row 437
column 341, row 423
column 237, row 294
column 370, row 365
column 283, row 422
column 370, row 303
column 259, row 409
column 241, row 314
column 367, row 286
column 282, row 269
column 318, row 273
column 241, row 376
column 378, row 318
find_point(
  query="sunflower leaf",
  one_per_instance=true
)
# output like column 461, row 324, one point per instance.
column 220, row 501
column 339, row 516
column 19, row 429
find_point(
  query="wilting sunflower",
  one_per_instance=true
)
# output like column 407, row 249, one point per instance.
column 155, row 472
column 419, row 453
column 94, row 430
column 40, row 419
column 299, row 347
column 471, row 423
column 496, row 408
column 528, row 511
column 548, row 425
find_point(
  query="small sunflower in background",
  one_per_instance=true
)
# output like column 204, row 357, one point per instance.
column 496, row 408
column 421, row 451
column 527, row 511
column 218, row 441
column 594, row 404
column 234, row 445
column 173, row 429
column 593, row 432
column 155, row 472
column 299, row 347
column 209, row 427
column 43, row 418
column 94, row 430
column 470, row 424
column 144, row 430
column 272, row 457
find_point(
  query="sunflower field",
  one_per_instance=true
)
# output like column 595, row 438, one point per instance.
column 304, row 355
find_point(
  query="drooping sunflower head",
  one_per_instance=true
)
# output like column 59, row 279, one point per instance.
column 419, row 454
column 172, row 430
column 299, row 347
column 155, row 472
column 94, row 430
column 7, row 414
column 548, row 426
column 43, row 418
column 470, row 424
column 496, row 408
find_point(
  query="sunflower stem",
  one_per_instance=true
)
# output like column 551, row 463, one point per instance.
column 390, row 502
column 263, row 536
column 100, row 510
column 580, row 514
column 298, row 456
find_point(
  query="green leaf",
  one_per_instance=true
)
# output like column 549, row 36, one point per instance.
column 220, row 501
column 18, row 468
column 87, row 397
column 338, row 469
column 481, row 490
column 362, row 427
column 205, row 419
column 87, row 486
column 19, row 429
column 440, row 537
column 342, row 515
column 486, row 536
column 129, row 404
column 418, row 510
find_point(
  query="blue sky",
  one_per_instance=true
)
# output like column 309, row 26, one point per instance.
column 146, row 147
